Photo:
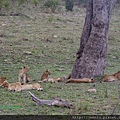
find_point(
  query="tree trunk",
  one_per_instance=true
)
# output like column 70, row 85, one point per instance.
column 92, row 53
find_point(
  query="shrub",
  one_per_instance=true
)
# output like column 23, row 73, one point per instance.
column 35, row 2
column 52, row 4
column 4, row 3
column 69, row 5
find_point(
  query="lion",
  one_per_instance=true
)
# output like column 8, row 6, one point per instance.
column 54, row 80
column 11, row 86
column 109, row 78
column 2, row 79
column 45, row 75
column 28, row 87
column 58, row 79
column 117, row 75
column 23, row 76
column 45, row 78
column 83, row 80
column 37, row 86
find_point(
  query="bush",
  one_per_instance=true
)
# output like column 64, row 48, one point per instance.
column 35, row 2
column 4, row 3
column 52, row 4
column 69, row 5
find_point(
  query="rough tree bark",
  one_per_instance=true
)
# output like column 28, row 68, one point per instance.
column 92, row 53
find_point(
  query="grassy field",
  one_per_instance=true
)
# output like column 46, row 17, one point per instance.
column 50, row 41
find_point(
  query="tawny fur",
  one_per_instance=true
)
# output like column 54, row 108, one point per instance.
column 54, row 80
column 36, row 86
column 23, row 76
column 109, row 78
column 2, row 79
column 28, row 79
column 83, row 80
column 18, row 87
column 117, row 75
column 11, row 86
column 45, row 75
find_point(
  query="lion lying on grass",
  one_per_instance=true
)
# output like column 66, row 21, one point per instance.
column 11, row 86
column 36, row 86
column 18, row 87
column 53, row 80
column 117, row 75
column 111, row 78
column 83, row 80
column 45, row 77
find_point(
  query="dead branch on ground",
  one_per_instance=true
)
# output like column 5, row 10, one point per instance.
column 55, row 102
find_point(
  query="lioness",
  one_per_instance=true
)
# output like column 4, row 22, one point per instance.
column 117, row 75
column 28, row 87
column 83, row 80
column 37, row 86
column 11, row 86
column 109, row 78
column 2, row 79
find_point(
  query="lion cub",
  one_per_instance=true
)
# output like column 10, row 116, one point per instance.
column 45, row 75
column 23, row 76
column 2, row 79
column 45, row 78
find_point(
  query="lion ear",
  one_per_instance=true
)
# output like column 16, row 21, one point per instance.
column 46, row 70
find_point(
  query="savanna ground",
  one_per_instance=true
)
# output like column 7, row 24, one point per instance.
column 49, row 41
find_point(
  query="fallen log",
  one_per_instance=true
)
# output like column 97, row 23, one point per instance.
column 55, row 102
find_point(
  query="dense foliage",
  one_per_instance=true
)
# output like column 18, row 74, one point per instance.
column 52, row 4
column 69, row 5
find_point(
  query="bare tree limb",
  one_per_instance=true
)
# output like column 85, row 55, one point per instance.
column 56, row 102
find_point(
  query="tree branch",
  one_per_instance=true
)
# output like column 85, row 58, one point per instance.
column 56, row 102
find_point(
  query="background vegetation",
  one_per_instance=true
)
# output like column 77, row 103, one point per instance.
column 44, row 40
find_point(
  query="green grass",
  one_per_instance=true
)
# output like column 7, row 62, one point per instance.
column 53, row 40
